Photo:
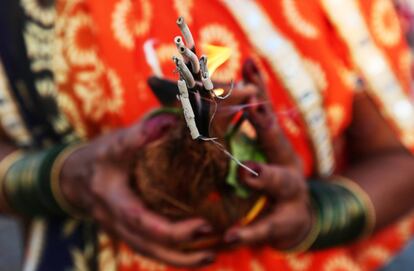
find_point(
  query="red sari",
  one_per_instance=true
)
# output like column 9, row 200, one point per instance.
column 102, row 71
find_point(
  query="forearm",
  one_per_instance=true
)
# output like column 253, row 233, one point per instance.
column 388, row 179
column 380, row 164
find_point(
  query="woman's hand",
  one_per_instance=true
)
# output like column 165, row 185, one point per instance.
column 96, row 180
column 290, row 217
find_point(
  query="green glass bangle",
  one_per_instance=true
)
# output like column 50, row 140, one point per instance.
column 343, row 214
column 5, row 165
column 24, row 171
column 27, row 183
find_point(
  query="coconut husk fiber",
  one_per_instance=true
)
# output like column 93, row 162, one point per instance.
column 180, row 178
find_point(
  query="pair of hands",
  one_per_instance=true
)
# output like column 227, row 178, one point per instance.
column 95, row 179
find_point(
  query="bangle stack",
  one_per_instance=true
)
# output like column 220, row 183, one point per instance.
column 343, row 213
column 30, row 181
column 5, row 164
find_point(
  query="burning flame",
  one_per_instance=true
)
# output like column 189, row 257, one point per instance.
column 217, row 56
column 219, row 91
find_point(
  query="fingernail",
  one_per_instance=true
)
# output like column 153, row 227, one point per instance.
column 203, row 230
column 208, row 260
column 232, row 238
column 261, row 109
column 255, row 167
column 252, row 66
column 244, row 173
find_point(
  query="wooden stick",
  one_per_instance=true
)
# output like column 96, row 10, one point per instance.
column 188, row 37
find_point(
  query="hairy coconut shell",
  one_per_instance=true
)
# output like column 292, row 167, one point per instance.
column 181, row 178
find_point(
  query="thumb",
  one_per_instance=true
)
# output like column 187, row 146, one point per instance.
column 124, row 144
column 278, row 182
column 250, row 72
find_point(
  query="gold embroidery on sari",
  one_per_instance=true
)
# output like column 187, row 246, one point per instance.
column 256, row 266
column 183, row 8
column 115, row 101
column 299, row 24
column 405, row 229
column 385, row 23
column 68, row 106
column 318, row 74
column 126, row 25
column 90, row 90
column 299, row 262
column 142, row 26
column 80, row 49
column 375, row 253
column 106, row 257
column 165, row 51
column 349, row 78
column 39, row 36
column 120, row 25
column 10, row 119
column 336, row 115
column 146, row 264
column 44, row 15
column 342, row 263
column 39, row 45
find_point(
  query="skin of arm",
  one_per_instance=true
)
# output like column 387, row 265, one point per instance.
column 379, row 163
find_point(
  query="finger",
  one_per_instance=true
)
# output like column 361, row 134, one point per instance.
column 148, row 130
column 240, row 96
column 251, row 74
column 255, row 234
column 162, row 253
column 169, row 232
column 126, row 207
column 147, row 247
column 104, row 219
column 123, row 145
column 282, row 183
column 279, row 228
column 240, row 93
column 262, row 116
column 138, row 218
column 272, row 140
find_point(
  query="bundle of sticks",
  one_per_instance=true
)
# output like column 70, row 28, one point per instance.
column 195, row 98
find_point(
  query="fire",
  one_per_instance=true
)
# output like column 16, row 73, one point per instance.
column 217, row 56
column 219, row 91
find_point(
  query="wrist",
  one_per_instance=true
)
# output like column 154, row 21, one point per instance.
column 28, row 183
column 344, row 211
column 74, row 176
column 308, row 234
